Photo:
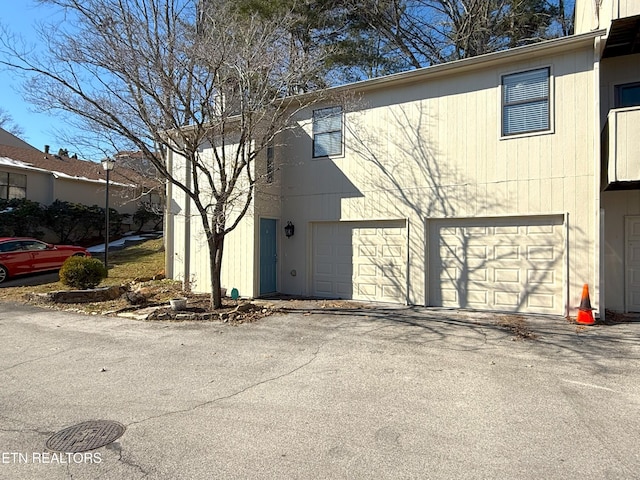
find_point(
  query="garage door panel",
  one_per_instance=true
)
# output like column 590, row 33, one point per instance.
column 323, row 287
column 477, row 251
column 508, row 264
column 507, row 275
column 510, row 252
column 478, row 275
column 393, row 272
column 540, row 301
column 542, row 277
column 392, row 251
column 540, row 252
column 391, row 291
column 344, row 290
column 324, row 268
column 475, row 230
column 367, row 289
column 540, row 229
column 371, row 264
column 511, row 230
column 367, row 271
column 342, row 269
column 368, row 251
column 477, row 297
column 507, row 300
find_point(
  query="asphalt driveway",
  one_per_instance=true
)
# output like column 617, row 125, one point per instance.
column 370, row 393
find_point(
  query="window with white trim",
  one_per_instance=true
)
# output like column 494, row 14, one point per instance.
column 13, row 185
column 526, row 102
column 327, row 132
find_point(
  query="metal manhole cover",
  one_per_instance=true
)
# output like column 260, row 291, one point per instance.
column 85, row 436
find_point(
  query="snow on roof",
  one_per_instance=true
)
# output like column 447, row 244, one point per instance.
column 9, row 162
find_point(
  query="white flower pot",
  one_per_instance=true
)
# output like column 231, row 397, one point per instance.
column 178, row 303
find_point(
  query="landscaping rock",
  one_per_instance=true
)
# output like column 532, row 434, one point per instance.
column 139, row 296
column 80, row 296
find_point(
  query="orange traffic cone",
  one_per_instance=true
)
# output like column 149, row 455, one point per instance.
column 585, row 313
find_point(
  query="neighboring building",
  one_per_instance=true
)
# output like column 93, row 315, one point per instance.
column 7, row 138
column 45, row 177
column 502, row 182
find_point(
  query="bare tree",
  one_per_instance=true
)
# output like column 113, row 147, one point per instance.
column 7, row 123
column 167, row 77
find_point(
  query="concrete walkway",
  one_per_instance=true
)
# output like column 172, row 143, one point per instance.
column 385, row 393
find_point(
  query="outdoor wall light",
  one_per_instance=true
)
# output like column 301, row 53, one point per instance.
column 289, row 229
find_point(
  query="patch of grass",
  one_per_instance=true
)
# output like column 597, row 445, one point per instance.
column 139, row 261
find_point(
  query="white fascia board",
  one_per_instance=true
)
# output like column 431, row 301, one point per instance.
column 89, row 180
column 9, row 162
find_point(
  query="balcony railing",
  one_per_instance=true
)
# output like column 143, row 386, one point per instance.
column 621, row 146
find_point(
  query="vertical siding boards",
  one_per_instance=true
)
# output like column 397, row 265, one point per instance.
column 617, row 204
column 433, row 150
column 238, row 260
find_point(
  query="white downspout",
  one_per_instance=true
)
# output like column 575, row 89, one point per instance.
column 169, row 227
column 187, row 228
column 599, row 265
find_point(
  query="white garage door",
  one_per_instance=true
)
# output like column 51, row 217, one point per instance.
column 502, row 264
column 360, row 260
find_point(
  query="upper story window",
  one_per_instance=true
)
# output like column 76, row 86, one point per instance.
column 327, row 132
column 12, row 185
column 627, row 95
column 526, row 102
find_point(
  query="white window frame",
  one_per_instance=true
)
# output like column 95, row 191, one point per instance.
column 317, row 131
column 548, row 98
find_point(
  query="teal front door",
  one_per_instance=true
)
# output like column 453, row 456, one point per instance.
column 268, row 256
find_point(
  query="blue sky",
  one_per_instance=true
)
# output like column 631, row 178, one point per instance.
column 21, row 17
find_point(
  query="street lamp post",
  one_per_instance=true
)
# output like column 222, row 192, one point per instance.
column 107, row 164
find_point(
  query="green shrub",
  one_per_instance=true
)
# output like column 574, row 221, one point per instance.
column 82, row 272
column 20, row 217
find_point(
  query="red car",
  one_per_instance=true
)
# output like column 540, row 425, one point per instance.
column 28, row 255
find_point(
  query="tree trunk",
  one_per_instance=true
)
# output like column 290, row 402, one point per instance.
column 216, row 244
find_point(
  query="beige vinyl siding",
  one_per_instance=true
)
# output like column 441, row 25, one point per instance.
column 240, row 251
column 618, row 206
column 627, row 8
column 432, row 149
column 177, row 209
column 615, row 9
column 587, row 18
column 93, row 193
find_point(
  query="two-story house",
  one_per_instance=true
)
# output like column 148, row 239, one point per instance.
column 502, row 182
